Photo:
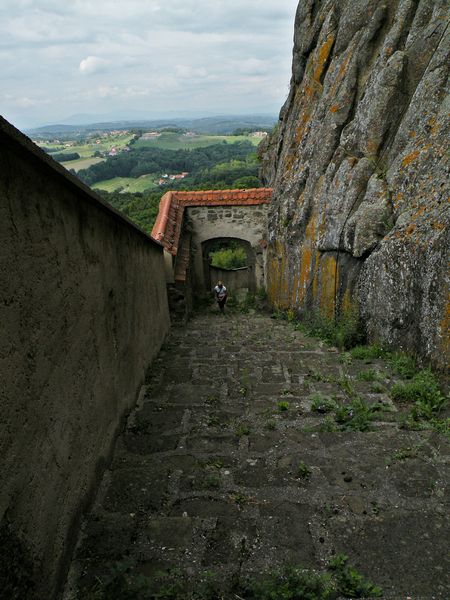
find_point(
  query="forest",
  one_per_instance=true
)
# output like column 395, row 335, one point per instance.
column 221, row 166
column 145, row 161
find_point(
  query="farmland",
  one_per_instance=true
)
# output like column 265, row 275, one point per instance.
column 97, row 147
column 132, row 169
column 127, row 184
column 183, row 141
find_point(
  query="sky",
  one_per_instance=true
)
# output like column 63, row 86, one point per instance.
column 143, row 58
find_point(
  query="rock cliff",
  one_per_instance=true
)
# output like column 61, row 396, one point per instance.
column 359, row 165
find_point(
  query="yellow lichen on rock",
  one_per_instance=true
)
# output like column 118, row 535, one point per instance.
column 327, row 278
column 445, row 334
column 322, row 57
column 410, row 158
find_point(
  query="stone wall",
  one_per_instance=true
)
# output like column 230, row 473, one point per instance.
column 359, row 164
column 246, row 223
column 83, row 311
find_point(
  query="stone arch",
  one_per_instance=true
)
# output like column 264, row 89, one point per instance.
column 239, row 280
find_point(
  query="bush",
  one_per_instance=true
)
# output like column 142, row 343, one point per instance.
column 295, row 583
column 345, row 333
column 424, row 391
column 322, row 404
column 367, row 352
column 355, row 416
column 403, row 364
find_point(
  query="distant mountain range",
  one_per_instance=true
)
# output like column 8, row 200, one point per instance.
column 219, row 124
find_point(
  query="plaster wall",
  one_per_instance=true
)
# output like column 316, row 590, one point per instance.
column 247, row 223
column 83, row 311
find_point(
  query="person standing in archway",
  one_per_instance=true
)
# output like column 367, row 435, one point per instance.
column 221, row 295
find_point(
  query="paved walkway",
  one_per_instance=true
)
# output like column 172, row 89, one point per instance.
column 227, row 468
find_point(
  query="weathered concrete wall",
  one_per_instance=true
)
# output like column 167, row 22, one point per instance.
column 247, row 223
column 83, row 310
column 359, row 166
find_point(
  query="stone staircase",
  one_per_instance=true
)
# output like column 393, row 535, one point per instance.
column 231, row 465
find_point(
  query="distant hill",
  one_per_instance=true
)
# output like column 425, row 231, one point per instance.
column 220, row 125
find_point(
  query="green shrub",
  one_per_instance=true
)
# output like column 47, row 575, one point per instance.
column 328, row 426
column 403, row 364
column 303, row 471
column 322, row 404
column 290, row 583
column 423, row 390
column 367, row 352
column 243, row 429
column 283, row 406
column 355, row 416
column 350, row 583
column 345, row 332
column 229, row 258
column 441, row 425
column 377, row 388
column 369, row 375
column 295, row 583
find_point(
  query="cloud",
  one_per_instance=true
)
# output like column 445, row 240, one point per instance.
column 147, row 55
column 93, row 64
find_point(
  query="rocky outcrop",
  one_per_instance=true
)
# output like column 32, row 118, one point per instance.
column 359, row 166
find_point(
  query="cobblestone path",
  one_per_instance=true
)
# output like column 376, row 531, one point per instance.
column 231, row 465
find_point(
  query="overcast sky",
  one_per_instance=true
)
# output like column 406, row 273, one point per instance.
column 141, row 58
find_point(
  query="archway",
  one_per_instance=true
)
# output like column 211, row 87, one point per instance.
column 231, row 260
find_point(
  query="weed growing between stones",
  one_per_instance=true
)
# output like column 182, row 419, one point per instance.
column 345, row 333
column 212, row 482
column 346, row 384
column 212, row 400
column 240, row 499
column 424, row 392
column 403, row 364
column 295, row 583
column 319, row 376
column 215, row 463
column 377, row 388
column 322, row 404
column 303, row 471
column 283, row 406
column 369, row 375
column 287, row 583
column 270, row 425
column 405, row 453
column 367, row 352
column 243, row 429
column 356, row 416
column 328, row 426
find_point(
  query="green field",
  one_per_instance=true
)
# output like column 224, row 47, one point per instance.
column 87, row 149
column 167, row 141
column 128, row 184
column 177, row 141
column 82, row 163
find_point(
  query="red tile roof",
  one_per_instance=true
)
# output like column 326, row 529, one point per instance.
column 167, row 228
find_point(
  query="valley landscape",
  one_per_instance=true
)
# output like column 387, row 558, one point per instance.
column 131, row 168
column 225, row 338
